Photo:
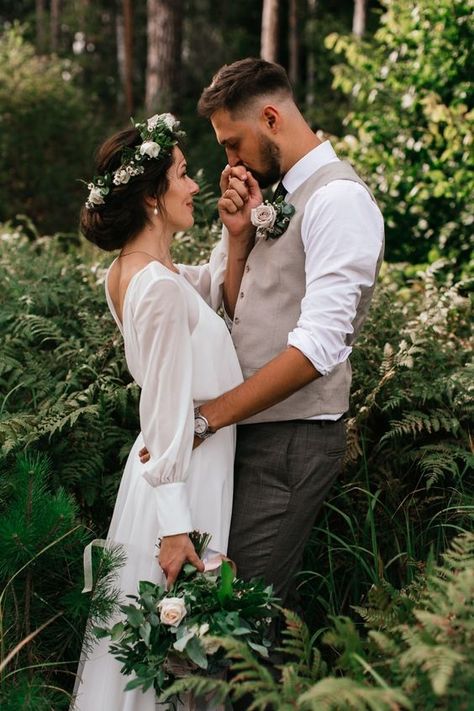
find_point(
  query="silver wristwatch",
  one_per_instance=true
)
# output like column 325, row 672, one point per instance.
column 201, row 425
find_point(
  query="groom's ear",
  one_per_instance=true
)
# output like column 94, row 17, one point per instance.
column 271, row 118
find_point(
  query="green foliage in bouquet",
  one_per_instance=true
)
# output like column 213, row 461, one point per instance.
column 169, row 634
column 411, row 124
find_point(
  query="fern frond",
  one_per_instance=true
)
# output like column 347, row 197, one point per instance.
column 200, row 686
column 333, row 694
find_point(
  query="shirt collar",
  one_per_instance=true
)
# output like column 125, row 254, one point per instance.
column 309, row 164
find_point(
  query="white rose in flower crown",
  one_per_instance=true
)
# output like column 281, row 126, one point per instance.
column 172, row 610
column 121, row 176
column 168, row 119
column 263, row 216
column 151, row 123
column 95, row 196
column 150, row 148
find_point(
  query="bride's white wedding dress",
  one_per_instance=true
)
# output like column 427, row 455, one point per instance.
column 180, row 353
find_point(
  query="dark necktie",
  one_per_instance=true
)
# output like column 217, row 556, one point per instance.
column 280, row 191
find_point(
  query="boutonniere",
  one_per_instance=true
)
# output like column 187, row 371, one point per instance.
column 272, row 218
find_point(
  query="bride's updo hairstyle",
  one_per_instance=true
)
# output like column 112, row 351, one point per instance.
column 122, row 214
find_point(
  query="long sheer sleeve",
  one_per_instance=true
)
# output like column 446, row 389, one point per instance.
column 166, row 407
column 208, row 279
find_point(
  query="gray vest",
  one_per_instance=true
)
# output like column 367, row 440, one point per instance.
column 269, row 307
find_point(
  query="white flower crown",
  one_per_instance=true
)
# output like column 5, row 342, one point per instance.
column 159, row 134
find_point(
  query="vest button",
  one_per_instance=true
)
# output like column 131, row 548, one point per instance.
column 236, row 319
column 241, row 294
column 247, row 268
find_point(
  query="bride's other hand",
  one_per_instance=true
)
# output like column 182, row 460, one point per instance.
column 144, row 454
column 175, row 551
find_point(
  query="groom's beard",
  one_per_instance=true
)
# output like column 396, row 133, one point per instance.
column 270, row 159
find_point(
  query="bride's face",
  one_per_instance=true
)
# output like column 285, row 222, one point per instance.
column 178, row 199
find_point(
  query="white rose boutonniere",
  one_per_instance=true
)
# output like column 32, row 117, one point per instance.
column 272, row 218
column 172, row 610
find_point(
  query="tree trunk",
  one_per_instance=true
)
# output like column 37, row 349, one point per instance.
column 311, row 62
column 40, row 26
column 269, row 36
column 293, row 69
column 128, row 55
column 165, row 35
column 55, row 24
column 359, row 18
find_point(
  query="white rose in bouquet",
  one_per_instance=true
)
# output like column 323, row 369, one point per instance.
column 172, row 610
column 150, row 148
column 263, row 216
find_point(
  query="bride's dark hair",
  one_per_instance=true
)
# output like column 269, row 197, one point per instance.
column 122, row 216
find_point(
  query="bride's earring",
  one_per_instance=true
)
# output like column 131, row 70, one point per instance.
column 155, row 210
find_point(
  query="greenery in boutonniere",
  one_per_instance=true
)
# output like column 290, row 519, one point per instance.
column 272, row 218
column 170, row 634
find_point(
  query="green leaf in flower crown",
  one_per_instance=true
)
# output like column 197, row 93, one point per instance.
column 226, row 588
column 196, row 653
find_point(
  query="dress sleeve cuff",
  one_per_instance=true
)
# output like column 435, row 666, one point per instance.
column 174, row 515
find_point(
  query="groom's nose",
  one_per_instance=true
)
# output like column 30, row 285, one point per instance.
column 233, row 157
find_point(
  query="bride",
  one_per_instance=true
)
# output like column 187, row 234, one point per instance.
column 180, row 353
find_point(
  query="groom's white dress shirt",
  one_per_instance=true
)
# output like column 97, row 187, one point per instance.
column 342, row 234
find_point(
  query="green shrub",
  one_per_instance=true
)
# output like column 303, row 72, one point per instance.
column 408, row 481
column 48, row 134
column 407, row 488
column 412, row 123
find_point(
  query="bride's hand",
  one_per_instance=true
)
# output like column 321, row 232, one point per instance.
column 144, row 454
column 240, row 194
column 175, row 551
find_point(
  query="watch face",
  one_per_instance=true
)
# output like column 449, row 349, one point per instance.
column 200, row 425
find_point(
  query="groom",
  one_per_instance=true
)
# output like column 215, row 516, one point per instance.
column 297, row 303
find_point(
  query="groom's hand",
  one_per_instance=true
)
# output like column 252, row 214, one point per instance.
column 240, row 194
column 175, row 551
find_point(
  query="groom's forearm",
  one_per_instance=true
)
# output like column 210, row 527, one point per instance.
column 276, row 381
column 239, row 250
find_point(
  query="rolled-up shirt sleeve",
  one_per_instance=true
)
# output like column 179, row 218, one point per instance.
column 342, row 234
column 166, row 405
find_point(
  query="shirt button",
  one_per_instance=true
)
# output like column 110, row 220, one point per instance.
column 236, row 319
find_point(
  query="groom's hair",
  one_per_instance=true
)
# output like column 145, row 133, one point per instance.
column 236, row 85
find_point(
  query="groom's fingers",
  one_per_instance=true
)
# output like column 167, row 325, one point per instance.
column 224, row 181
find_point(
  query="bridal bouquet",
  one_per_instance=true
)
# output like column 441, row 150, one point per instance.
column 169, row 634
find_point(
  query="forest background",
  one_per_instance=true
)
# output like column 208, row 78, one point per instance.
column 389, row 83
